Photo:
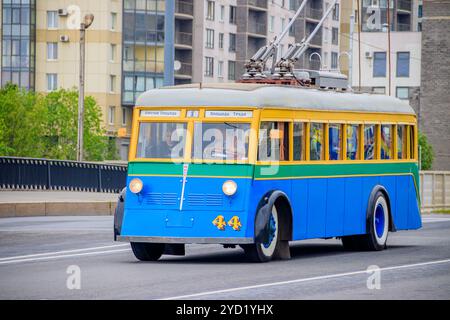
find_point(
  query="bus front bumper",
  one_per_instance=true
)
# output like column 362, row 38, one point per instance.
column 239, row 240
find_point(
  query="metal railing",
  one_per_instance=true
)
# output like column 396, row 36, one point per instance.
column 258, row 3
column 434, row 190
column 403, row 26
column 404, row 5
column 183, row 38
column 184, row 7
column 257, row 28
column 313, row 13
column 46, row 174
column 185, row 69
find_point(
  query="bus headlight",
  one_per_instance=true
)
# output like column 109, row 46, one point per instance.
column 136, row 185
column 229, row 187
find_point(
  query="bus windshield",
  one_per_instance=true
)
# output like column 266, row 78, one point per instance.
column 161, row 140
column 221, row 141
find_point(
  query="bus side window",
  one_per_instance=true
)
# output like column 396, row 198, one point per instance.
column 412, row 142
column 273, row 141
column 386, row 142
column 370, row 134
column 401, row 141
column 316, row 151
column 335, row 141
column 299, row 142
column 352, row 142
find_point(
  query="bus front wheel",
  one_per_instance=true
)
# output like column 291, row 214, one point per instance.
column 263, row 252
column 378, row 228
column 147, row 251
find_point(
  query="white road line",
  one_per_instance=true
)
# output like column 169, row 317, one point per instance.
column 62, row 252
column 428, row 220
column 63, row 256
column 280, row 283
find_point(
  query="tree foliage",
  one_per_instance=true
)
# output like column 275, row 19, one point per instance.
column 426, row 152
column 45, row 126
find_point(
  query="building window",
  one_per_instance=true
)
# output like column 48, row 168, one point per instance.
column 220, row 69
column 420, row 11
column 52, row 81
column 52, row 19
column 232, row 46
column 52, row 50
column 222, row 13
column 379, row 64
column 334, row 60
column 112, row 83
column 111, row 114
column 334, row 36
column 402, row 93
column 272, row 24
column 283, row 21
column 210, row 7
column 209, row 66
column 113, row 21
column 112, row 54
column 402, row 64
column 336, row 12
column 220, row 40
column 291, row 29
column 232, row 14
column 124, row 116
column 210, row 38
column 231, row 70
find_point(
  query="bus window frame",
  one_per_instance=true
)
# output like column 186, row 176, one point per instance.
column 290, row 139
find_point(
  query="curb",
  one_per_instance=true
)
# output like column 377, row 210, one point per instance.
column 33, row 209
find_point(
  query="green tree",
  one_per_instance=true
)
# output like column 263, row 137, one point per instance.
column 61, row 108
column 20, row 123
column 426, row 152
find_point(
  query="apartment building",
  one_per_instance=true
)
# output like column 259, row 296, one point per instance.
column 228, row 32
column 374, row 68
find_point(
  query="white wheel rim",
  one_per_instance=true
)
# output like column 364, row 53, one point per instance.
column 268, row 252
column 381, row 221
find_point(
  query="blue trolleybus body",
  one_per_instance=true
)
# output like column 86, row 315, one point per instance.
column 260, row 165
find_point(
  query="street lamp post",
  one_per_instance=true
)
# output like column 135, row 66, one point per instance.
column 88, row 19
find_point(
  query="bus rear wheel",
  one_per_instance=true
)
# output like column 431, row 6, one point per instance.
column 378, row 223
column 147, row 251
column 263, row 252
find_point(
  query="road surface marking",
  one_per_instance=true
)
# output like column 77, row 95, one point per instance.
column 280, row 283
column 62, row 256
column 62, row 252
column 428, row 220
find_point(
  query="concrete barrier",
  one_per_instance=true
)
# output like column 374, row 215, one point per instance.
column 435, row 190
column 29, row 209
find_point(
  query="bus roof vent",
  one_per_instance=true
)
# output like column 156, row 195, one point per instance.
column 325, row 79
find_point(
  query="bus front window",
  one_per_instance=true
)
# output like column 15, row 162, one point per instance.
column 161, row 140
column 221, row 141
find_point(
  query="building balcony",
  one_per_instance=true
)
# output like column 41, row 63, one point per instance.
column 257, row 28
column 185, row 71
column 316, row 40
column 258, row 4
column 313, row 13
column 404, row 5
column 184, row 8
column 183, row 39
column 403, row 27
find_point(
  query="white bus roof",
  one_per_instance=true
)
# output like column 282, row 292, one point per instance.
column 267, row 96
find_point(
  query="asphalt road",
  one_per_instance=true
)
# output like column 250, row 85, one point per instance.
column 35, row 254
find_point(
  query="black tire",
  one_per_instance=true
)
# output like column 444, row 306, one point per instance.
column 258, row 252
column 378, row 227
column 147, row 251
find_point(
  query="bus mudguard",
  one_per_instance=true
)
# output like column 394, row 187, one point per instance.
column 371, row 201
column 263, row 213
column 118, row 214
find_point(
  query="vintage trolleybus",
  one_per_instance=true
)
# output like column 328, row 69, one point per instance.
column 261, row 165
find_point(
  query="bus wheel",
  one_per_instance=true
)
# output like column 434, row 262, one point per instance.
column 147, row 251
column 263, row 252
column 378, row 223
